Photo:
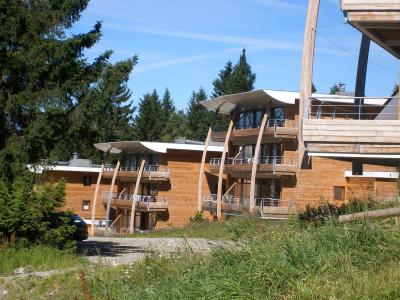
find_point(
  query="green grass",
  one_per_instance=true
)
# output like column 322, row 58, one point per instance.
column 205, row 229
column 360, row 260
column 36, row 258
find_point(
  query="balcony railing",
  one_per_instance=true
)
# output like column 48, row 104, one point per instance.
column 341, row 107
column 148, row 170
column 229, row 202
column 131, row 197
column 264, row 160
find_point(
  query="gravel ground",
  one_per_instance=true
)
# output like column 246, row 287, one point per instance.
column 114, row 251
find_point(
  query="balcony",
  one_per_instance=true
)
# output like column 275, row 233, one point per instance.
column 143, row 202
column 378, row 19
column 267, row 167
column 130, row 173
column 349, row 128
column 274, row 129
column 267, row 208
column 229, row 203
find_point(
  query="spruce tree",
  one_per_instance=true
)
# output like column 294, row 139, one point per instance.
column 148, row 123
column 198, row 116
column 176, row 126
column 167, row 106
column 222, row 85
column 242, row 79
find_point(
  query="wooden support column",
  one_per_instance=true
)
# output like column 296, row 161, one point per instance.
column 255, row 163
column 133, row 209
column 307, row 64
column 201, row 174
column 110, row 194
column 96, row 192
column 221, row 169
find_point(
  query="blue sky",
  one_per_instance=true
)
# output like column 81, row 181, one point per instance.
column 182, row 44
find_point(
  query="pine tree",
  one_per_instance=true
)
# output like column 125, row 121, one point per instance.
column 105, row 113
column 148, row 123
column 222, row 85
column 176, row 126
column 313, row 88
column 44, row 77
column 167, row 106
column 198, row 116
column 242, row 79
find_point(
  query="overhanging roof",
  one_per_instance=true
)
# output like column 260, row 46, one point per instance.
column 259, row 98
column 377, row 19
column 152, row 147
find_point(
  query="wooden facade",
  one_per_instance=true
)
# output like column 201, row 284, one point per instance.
column 79, row 197
column 320, row 147
column 162, row 192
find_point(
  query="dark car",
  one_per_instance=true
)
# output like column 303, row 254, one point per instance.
column 81, row 232
column 58, row 218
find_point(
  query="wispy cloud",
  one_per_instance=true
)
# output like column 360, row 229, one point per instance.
column 169, row 62
column 242, row 41
column 283, row 5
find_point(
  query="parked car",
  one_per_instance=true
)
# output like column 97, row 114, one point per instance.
column 81, row 232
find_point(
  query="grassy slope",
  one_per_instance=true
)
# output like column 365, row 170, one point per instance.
column 285, row 261
column 38, row 258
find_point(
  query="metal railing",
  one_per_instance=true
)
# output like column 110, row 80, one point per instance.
column 154, row 170
column 332, row 107
column 130, row 197
column 273, row 160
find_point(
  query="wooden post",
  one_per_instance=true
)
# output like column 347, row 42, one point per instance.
column 221, row 169
column 133, row 209
column 201, row 174
column 96, row 192
column 110, row 194
column 255, row 163
column 307, row 64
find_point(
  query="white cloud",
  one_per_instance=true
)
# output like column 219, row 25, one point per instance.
column 283, row 5
column 169, row 62
column 242, row 41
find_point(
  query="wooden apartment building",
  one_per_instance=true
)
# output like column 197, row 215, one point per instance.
column 153, row 185
column 285, row 150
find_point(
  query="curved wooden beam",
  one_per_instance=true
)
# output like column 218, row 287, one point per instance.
column 255, row 163
column 221, row 169
column 307, row 64
column 201, row 174
column 96, row 192
column 110, row 194
column 133, row 209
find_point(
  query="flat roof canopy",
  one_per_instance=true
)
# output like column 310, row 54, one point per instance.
column 259, row 98
column 151, row 147
column 377, row 19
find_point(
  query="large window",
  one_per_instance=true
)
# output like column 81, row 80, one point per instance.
column 249, row 119
column 278, row 113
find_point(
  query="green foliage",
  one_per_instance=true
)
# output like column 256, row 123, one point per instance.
column 25, row 207
column 198, row 217
column 149, row 120
column 285, row 261
column 335, row 89
column 54, row 101
column 322, row 213
column 198, row 116
column 236, row 79
column 36, row 258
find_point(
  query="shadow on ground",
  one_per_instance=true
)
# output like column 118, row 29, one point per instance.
column 97, row 248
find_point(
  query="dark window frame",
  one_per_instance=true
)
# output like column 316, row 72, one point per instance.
column 339, row 193
column 84, row 203
column 87, row 180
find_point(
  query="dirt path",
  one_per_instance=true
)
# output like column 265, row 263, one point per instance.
column 116, row 251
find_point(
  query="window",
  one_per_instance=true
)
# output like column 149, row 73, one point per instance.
column 87, row 180
column 85, row 205
column 338, row 192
